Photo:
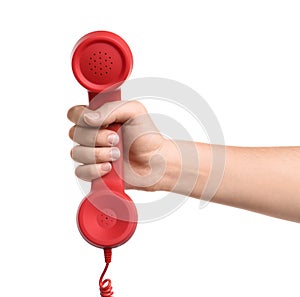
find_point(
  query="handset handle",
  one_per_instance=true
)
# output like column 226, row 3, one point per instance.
column 112, row 181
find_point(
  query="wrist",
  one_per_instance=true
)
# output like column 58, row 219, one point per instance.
column 187, row 167
column 172, row 166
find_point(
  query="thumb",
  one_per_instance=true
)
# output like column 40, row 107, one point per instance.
column 114, row 112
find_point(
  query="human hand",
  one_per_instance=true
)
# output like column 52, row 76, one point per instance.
column 144, row 146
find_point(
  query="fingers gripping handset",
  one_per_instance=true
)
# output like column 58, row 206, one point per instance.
column 107, row 217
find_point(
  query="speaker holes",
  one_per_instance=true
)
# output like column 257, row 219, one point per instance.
column 99, row 61
column 107, row 218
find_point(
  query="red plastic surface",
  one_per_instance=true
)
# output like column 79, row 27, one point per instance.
column 101, row 60
column 107, row 217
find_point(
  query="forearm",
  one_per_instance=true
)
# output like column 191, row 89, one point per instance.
column 264, row 180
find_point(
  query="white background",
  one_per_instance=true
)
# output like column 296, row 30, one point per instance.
column 241, row 56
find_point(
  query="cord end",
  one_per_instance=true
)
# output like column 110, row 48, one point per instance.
column 105, row 285
column 107, row 255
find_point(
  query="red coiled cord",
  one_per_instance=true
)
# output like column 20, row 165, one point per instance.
column 105, row 285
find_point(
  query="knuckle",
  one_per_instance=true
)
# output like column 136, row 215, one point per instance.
column 70, row 113
column 74, row 111
column 74, row 152
column 139, row 106
column 77, row 134
column 78, row 171
column 71, row 132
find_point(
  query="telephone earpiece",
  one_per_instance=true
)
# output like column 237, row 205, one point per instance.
column 107, row 217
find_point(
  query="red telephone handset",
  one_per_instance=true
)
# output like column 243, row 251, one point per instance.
column 107, row 217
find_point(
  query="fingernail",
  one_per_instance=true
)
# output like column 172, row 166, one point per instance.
column 91, row 116
column 115, row 154
column 106, row 166
column 113, row 139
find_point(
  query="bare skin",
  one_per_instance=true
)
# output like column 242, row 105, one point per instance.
column 260, row 179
